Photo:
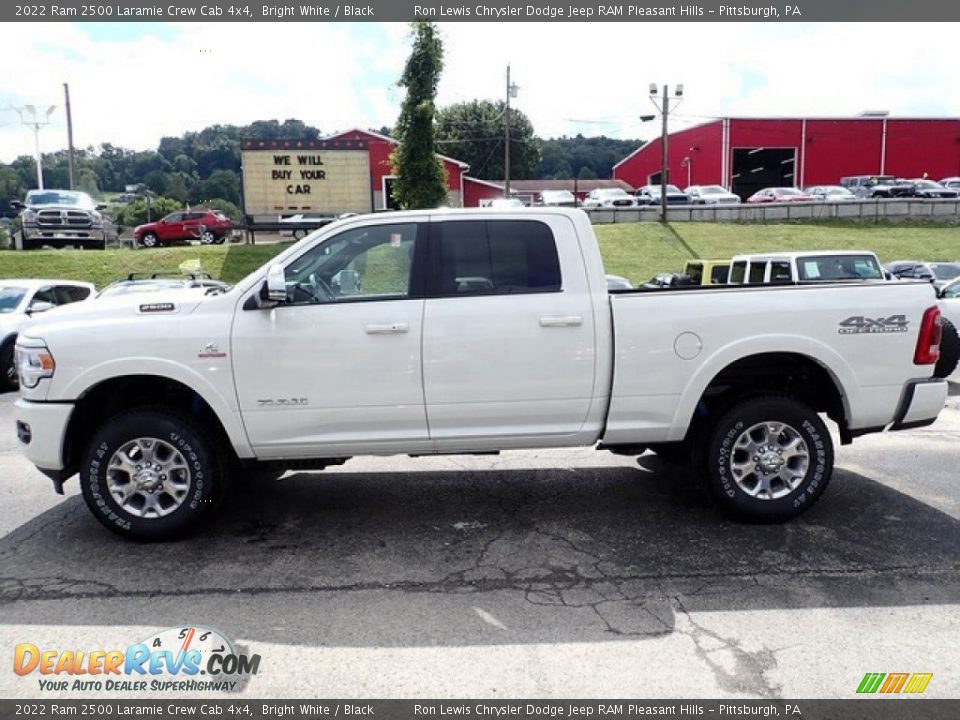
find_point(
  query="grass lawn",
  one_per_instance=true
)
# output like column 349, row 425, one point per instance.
column 640, row 250
column 635, row 250
column 224, row 262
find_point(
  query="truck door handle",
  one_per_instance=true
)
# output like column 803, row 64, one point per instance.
column 561, row 321
column 396, row 328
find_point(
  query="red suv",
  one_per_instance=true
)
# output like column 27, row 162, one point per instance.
column 208, row 226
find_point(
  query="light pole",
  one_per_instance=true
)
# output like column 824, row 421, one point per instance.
column 664, row 108
column 512, row 89
column 36, row 123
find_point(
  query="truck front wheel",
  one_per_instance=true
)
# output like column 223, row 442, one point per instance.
column 150, row 475
column 769, row 459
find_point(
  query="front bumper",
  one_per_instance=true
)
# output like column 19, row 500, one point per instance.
column 920, row 404
column 41, row 430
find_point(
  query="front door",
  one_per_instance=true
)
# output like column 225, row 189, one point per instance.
column 509, row 347
column 336, row 370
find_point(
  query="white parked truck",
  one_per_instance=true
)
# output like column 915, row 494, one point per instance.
column 464, row 331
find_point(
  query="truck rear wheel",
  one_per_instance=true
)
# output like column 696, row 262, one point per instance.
column 769, row 459
column 949, row 349
column 150, row 475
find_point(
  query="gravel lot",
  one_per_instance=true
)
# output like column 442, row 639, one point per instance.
column 531, row 574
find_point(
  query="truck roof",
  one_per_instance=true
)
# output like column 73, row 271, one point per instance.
column 801, row 254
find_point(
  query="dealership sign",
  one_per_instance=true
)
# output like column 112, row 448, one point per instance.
column 292, row 176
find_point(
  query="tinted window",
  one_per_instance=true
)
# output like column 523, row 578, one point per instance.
column 71, row 293
column 757, row 271
column 719, row 274
column 497, row 256
column 695, row 271
column 44, row 295
column 737, row 272
column 780, row 271
column 952, row 290
column 839, row 267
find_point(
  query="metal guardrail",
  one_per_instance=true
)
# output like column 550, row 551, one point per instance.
column 862, row 211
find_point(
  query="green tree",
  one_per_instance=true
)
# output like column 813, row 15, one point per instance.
column 473, row 132
column 141, row 211
column 421, row 178
column 11, row 188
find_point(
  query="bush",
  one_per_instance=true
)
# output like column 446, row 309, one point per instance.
column 224, row 206
column 139, row 212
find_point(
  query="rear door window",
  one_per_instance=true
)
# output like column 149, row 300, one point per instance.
column 738, row 271
column 475, row 257
column 757, row 272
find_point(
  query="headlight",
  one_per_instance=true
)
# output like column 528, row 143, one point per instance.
column 34, row 364
column 28, row 216
column 96, row 217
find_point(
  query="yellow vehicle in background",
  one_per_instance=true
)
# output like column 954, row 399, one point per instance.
column 707, row 272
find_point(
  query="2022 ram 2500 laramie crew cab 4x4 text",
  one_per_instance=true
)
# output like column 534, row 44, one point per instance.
column 462, row 332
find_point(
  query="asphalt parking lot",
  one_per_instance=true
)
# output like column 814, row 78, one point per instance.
column 531, row 574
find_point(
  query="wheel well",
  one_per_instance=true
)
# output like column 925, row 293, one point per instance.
column 790, row 374
column 119, row 394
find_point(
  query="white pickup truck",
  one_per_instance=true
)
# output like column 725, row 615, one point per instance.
column 467, row 331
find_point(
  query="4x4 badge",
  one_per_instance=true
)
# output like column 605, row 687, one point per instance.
column 857, row 324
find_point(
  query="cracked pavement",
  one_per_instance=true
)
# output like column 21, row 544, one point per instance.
column 532, row 574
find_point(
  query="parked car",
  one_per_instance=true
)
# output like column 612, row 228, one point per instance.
column 286, row 369
column 61, row 218
column 805, row 266
column 778, row 194
column 707, row 272
column 136, row 283
column 877, row 186
column 208, row 226
column 951, row 182
column 609, row 198
column 923, row 188
column 650, row 195
column 557, row 198
column 21, row 300
column 503, row 203
column 309, row 221
column 618, row 282
column 939, row 273
column 711, row 195
column 830, row 193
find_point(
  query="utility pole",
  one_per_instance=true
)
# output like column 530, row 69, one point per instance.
column 664, row 108
column 70, row 154
column 35, row 124
column 511, row 92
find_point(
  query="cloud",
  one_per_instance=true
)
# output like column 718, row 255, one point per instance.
column 132, row 84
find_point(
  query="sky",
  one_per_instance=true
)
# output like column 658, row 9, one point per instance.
column 133, row 83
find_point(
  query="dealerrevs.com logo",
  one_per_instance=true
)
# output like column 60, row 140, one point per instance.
column 188, row 659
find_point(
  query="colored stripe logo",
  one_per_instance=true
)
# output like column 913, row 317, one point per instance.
column 894, row 683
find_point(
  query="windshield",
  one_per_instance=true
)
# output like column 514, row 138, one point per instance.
column 839, row 267
column 60, row 197
column 925, row 184
column 835, row 190
column 946, row 271
column 713, row 190
column 612, row 192
column 10, row 297
column 129, row 288
column 788, row 191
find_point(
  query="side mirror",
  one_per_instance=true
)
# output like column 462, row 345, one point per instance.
column 102, row 206
column 39, row 306
column 274, row 288
column 17, row 205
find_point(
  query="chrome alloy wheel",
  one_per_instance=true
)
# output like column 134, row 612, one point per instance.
column 148, row 478
column 769, row 460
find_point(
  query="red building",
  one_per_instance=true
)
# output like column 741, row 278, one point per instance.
column 747, row 154
column 381, row 173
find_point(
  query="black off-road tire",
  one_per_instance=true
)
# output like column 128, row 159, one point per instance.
column 722, row 451
column 206, row 479
column 949, row 350
column 8, row 368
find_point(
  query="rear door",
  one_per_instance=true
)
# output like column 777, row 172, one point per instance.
column 508, row 339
